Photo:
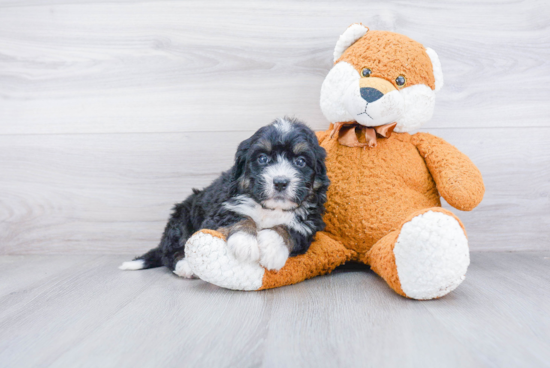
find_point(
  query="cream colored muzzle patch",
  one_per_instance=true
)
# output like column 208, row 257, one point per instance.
column 380, row 84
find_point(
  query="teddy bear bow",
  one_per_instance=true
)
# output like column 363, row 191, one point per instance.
column 347, row 133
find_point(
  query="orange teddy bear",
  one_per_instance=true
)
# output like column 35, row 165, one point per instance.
column 383, row 206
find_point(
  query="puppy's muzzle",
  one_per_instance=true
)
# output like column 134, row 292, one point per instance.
column 372, row 88
column 280, row 183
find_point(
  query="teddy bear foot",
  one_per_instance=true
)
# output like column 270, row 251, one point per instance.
column 210, row 259
column 431, row 255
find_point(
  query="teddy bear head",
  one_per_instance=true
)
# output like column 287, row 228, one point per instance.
column 379, row 78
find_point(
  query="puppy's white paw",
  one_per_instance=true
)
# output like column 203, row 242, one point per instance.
column 244, row 246
column 183, row 269
column 273, row 250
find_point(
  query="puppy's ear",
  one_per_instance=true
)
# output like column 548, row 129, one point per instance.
column 321, row 183
column 240, row 159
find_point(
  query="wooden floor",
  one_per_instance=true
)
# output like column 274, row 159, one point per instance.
column 80, row 311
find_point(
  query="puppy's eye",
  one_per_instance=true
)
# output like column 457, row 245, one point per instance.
column 400, row 81
column 366, row 72
column 263, row 159
column 300, row 162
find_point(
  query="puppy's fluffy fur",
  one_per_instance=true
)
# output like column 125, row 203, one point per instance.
column 269, row 204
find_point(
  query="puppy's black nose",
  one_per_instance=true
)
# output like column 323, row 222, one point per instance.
column 370, row 94
column 280, row 183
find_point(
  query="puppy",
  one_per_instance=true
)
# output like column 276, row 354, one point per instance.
column 269, row 204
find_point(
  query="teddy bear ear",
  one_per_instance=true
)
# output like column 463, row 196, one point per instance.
column 436, row 64
column 352, row 34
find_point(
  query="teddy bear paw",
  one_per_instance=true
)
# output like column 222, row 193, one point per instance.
column 431, row 255
column 210, row 259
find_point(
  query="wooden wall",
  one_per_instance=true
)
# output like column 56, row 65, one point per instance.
column 112, row 111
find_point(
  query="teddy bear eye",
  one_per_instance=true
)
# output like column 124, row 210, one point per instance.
column 366, row 72
column 400, row 81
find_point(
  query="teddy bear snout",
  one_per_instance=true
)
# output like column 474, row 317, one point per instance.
column 370, row 94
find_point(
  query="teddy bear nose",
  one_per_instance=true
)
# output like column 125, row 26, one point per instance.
column 370, row 94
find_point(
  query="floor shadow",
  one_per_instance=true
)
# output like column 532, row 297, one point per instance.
column 352, row 267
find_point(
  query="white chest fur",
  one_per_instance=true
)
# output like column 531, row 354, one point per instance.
column 267, row 218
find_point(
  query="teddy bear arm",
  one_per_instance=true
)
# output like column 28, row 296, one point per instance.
column 208, row 257
column 458, row 180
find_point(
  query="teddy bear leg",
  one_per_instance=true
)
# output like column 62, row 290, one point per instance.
column 426, row 258
column 210, row 259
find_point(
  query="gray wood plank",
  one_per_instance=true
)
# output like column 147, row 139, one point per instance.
column 514, row 212
column 18, row 272
column 111, row 194
column 180, row 322
column 509, row 292
column 25, row 289
column 96, row 316
column 126, row 66
column 352, row 319
column 101, row 189
column 50, row 317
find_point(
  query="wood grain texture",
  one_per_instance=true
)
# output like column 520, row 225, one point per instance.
column 112, row 193
column 86, row 313
column 112, row 111
column 129, row 66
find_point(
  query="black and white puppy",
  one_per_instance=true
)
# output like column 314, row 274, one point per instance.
column 269, row 204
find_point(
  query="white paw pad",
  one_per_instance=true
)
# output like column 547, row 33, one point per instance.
column 183, row 269
column 273, row 251
column 244, row 246
column 431, row 255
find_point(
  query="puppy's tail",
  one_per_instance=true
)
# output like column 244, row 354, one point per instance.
column 151, row 259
